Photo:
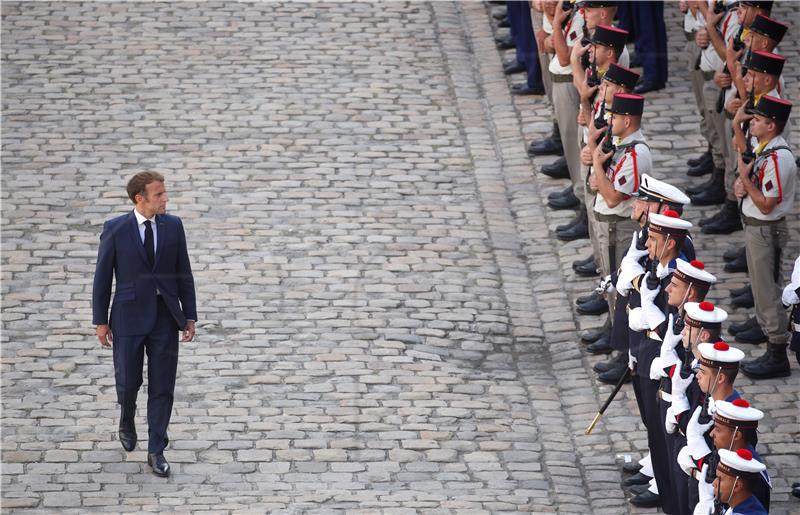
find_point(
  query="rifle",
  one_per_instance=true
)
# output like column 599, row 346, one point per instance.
column 593, row 79
column 600, row 122
column 585, row 40
column 719, row 7
column 611, row 396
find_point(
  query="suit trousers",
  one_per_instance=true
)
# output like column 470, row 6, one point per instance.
column 566, row 102
column 519, row 17
column 161, row 347
column 761, row 243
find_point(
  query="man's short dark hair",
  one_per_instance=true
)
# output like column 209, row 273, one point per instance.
column 138, row 183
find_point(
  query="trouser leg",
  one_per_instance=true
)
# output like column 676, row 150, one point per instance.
column 162, row 365
column 565, row 102
column 760, row 247
column 128, row 354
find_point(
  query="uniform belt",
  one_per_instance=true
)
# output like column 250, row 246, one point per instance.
column 600, row 217
column 707, row 76
column 653, row 335
column 664, row 396
column 558, row 77
column 755, row 222
column 795, row 327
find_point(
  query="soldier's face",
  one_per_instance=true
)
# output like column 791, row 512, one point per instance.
column 706, row 377
column 550, row 7
column 723, row 486
column 676, row 291
column 722, row 436
column 760, row 126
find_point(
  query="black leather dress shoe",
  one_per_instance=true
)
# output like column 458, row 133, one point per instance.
column 580, row 217
column 709, row 197
column 582, row 262
column 515, row 67
column 560, row 193
column 646, row 500
column 546, row 147
column 127, row 435
column 605, row 366
column 796, row 490
column 504, row 23
column 589, row 269
column 578, row 231
column 632, row 467
column 589, row 297
column 639, row 489
column 637, row 479
column 565, row 202
column 752, row 335
column 647, row 86
column 737, row 328
column 737, row 265
column 702, row 158
column 558, row 169
column 774, row 363
column 506, row 43
column 744, row 300
column 524, row 89
column 612, row 376
column 741, row 291
column 733, row 253
column 701, row 169
column 593, row 335
column 601, row 346
column 595, row 307
column 159, row 464
column 500, row 14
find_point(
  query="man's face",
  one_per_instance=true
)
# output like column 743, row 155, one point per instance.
column 154, row 201
column 722, row 436
column 760, row 126
column 602, row 54
column 621, row 123
column 723, row 486
column 550, row 7
column 655, row 244
column 706, row 377
column 689, row 334
column 595, row 16
column 676, row 292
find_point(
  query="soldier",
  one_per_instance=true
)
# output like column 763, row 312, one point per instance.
column 692, row 22
column 766, row 187
column 791, row 299
column 737, row 472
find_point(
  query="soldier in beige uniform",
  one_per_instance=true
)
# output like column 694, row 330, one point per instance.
column 766, row 187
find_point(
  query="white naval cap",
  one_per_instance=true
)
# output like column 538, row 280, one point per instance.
column 668, row 222
column 719, row 355
column 737, row 414
column 704, row 314
column 694, row 273
column 739, row 463
column 654, row 190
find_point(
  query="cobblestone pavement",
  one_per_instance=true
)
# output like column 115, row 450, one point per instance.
column 386, row 318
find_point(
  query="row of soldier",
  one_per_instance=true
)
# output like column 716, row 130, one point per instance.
column 666, row 338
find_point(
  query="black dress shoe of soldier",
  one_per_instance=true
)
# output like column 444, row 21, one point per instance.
column 159, row 464
column 524, row 89
column 601, row 346
column 613, row 375
column 605, row 366
column 753, row 335
column 737, row 265
column 580, row 217
column 589, row 269
column 577, row 232
column 647, row 86
column 504, row 23
column 637, row 479
column 515, row 67
column 744, row 300
column 595, row 307
column 632, row 467
column 774, row 363
column 737, row 328
column 704, row 168
column 733, row 253
column 589, row 297
column 558, row 169
column 583, row 262
column 546, row 147
column 506, row 43
column 565, row 202
column 592, row 335
column 560, row 193
column 696, row 161
column 639, row 489
column 741, row 291
column 127, row 435
column 646, row 500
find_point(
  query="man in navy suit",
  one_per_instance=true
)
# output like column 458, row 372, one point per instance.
column 154, row 299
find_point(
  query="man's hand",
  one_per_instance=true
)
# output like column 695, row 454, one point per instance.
column 712, row 19
column 540, row 35
column 733, row 105
column 741, row 116
column 738, row 188
column 104, row 335
column 701, row 38
column 188, row 331
column 723, row 80
column 586, row 156
column 744, row 169
column 559, row 16
column 593, row 180
column 594, row 134
column 600, row 155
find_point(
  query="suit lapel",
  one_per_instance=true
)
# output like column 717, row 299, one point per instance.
column 162, row 236
column 137, row 238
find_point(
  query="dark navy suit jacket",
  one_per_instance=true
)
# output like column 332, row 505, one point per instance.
column 122, row 255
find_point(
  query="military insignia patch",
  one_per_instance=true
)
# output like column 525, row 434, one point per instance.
column 768, row 186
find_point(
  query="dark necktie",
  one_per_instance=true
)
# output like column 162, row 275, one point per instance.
column 149, row 248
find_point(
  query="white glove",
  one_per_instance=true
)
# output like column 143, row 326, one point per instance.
column 706, row 491
column 668, row 354
column 685, row 461
column 789, row 296
column 670, row 422
column 651, row 316
column 712, row 406
column 694, row 435
column 605, row 286
column 626, row 276
column 680, row 402
column 631, row 361
column 656, row 369
column 636, row 320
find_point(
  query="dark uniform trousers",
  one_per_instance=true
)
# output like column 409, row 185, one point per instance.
column 519, row 17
